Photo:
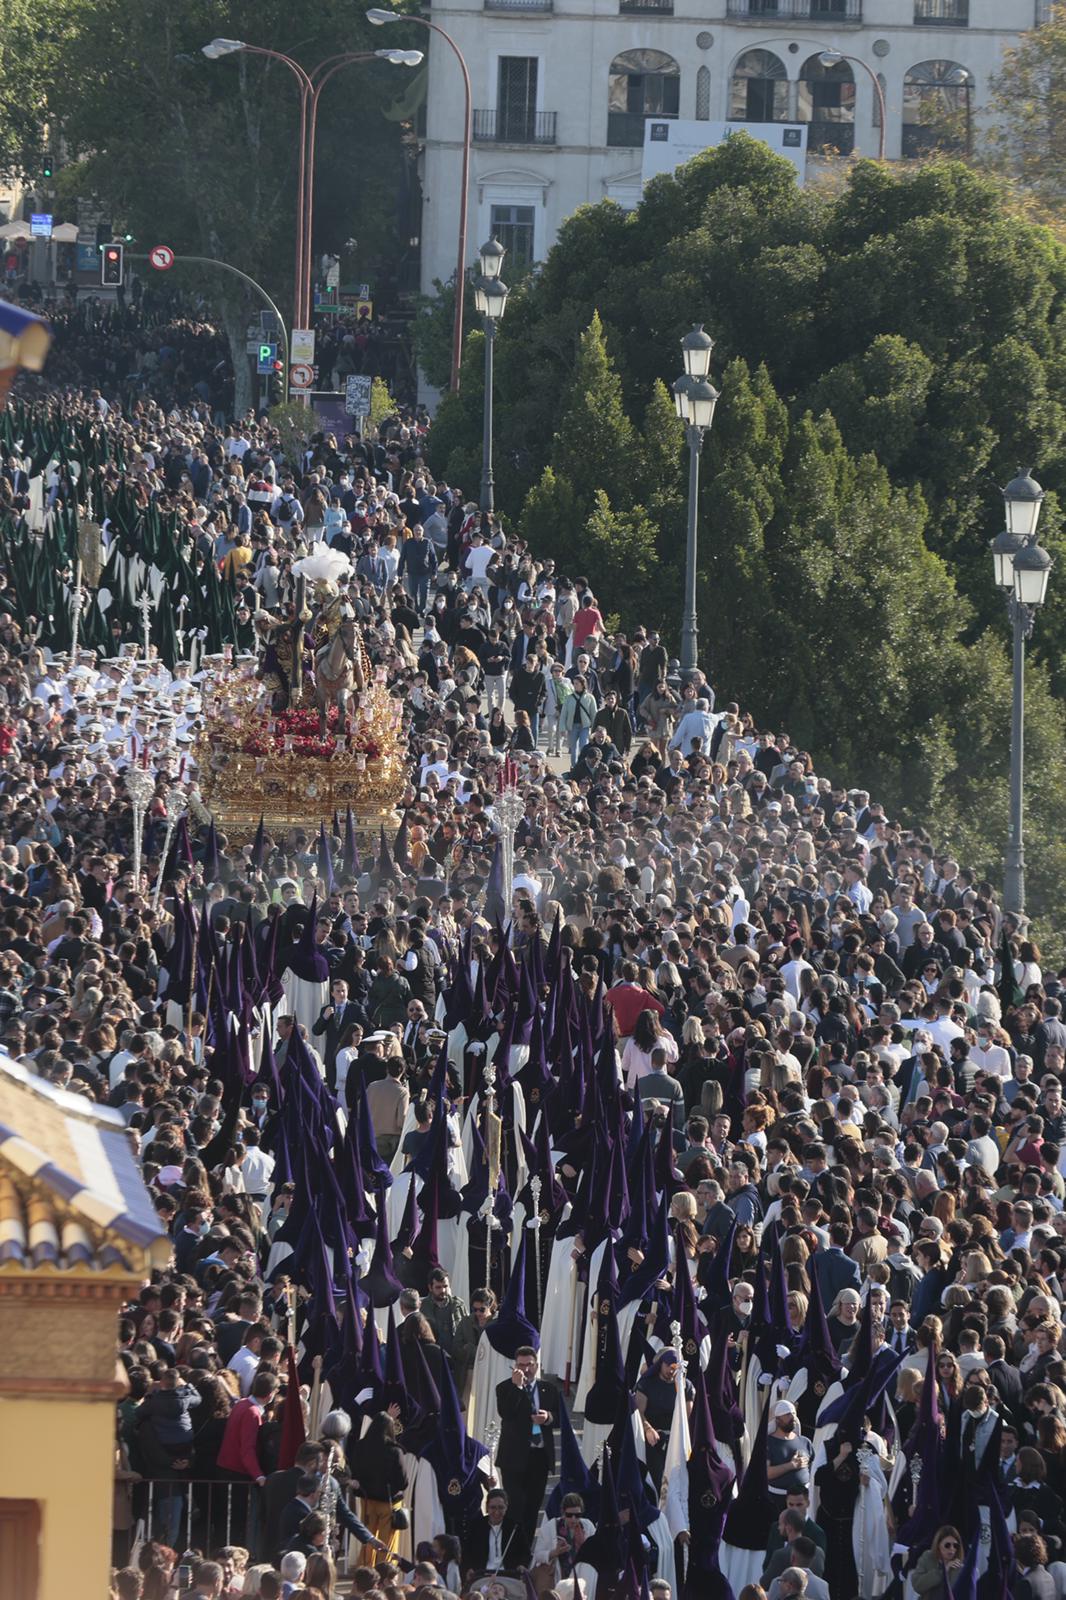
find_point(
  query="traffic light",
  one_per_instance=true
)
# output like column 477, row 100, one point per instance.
column 47, row 170
column 276, row 386
column 111, row 265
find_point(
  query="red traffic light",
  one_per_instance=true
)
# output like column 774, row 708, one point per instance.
column 277, row 366
column 111, row 265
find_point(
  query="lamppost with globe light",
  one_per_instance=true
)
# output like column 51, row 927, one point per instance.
column 831, row 58
column 1022, row 568
column 694, row 400
column 490, row 298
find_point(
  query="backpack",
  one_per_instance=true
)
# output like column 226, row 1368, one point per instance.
column 900, row 1283
column 286, row 510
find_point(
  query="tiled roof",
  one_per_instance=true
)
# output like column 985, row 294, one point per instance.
column 71, row 1193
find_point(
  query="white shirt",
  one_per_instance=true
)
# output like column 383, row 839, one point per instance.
column 258, row 1169
column 792, row 975
column 245, row 1364
column 477, row 561
column 994, row 1059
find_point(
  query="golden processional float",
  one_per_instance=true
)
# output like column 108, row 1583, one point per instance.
column 301, row 763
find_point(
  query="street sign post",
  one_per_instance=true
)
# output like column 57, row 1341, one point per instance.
column 357, row 395
column 301, row 375
column 303, row 346
column 161, row 257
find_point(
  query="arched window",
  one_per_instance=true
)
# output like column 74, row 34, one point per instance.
column 703, row 94
column 759, row 88
column 642, row 84
column 937, row 108
column 827, row 103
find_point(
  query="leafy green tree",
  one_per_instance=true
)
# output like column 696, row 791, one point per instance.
column 203, row 154
column 619, row 549
column 33, row 39
column 1027, row 137
column 879, row 397
column 551, row 520
column 594, row 442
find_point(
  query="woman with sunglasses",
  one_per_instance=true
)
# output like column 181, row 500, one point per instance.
column 944, row 1556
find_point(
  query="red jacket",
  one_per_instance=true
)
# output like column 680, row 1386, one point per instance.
column 627, row 1001
column 238, row 1451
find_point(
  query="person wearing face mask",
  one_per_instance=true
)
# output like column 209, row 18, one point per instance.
column 260, row 1105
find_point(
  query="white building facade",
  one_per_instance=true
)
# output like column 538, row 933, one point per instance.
column 562, row 90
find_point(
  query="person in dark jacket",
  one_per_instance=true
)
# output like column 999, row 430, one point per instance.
column 418, row 563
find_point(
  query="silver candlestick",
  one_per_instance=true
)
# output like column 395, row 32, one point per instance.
column 140, row 785
column 77, row 601
column 510, row 808
column 144, row 606
column 176, row 804
column 535, row 1186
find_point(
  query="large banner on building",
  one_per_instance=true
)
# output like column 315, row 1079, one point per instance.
column 670, row 143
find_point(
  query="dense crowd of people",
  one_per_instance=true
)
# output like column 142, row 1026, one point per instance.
column 690, row 1224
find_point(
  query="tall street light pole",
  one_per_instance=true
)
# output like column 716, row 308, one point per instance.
column 378, row 17
column 311, row 85
column 1022, row 568
column 320, row 76
column 228, row 47
column 695, row 400
column 490, row 297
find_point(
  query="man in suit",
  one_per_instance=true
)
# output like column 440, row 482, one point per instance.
column 300, row 1506
column 799, row 1552
column 834, row 1266
column 334, row 1021
column 529, row 1412
column 1005, row 1379
column 494, row 1541
column 283, row 1487
column 900, row 1336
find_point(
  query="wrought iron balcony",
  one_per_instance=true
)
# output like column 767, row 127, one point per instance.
column 838, row 136
column 625, row 129
column 834, row 11
column 530, row 6
column 663, row 7
column 941, row 13
column 514, row 127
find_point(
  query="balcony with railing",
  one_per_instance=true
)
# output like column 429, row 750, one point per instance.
column 941, row 13
column 625, row 129
column 837, row 12
column 514, row 127
column 638, row 7
column 838, row 136
column 519, row 7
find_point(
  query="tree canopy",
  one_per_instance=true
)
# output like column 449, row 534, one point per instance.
column 202, row 155
column 888, row 353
